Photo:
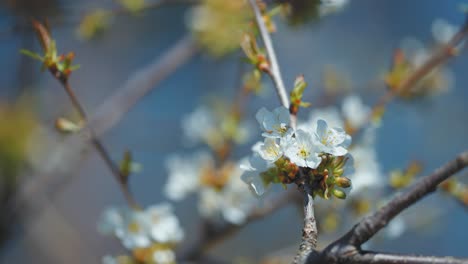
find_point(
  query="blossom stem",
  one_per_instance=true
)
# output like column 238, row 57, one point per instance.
column 274, row 71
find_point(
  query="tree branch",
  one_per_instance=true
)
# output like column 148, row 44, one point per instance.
column 385, row 258
column 107, row 115
column 274, row 72
column 371, row 224
column 347, row 249
column 102, row 151
column 309, row 231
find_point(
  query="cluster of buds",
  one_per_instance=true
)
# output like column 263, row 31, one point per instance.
column 59, row 65
column 328, row 177
column 402, row 178
column 457, row 190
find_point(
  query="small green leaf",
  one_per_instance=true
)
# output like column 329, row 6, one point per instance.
column 31, row 54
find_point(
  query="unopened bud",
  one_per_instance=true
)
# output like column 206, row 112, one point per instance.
column 339, row 194
column 343, row 182
column 66, row 126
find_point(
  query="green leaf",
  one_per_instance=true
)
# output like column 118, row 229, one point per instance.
column 31, row 54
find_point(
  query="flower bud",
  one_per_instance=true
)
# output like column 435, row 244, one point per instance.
column 343, row 182
column 66, row 126
column 339, row 194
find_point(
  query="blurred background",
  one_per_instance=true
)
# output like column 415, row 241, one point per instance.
column 357, row 43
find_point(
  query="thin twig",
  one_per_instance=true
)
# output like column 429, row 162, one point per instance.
column 108, row 114
column 274, row 72
column 102, row 151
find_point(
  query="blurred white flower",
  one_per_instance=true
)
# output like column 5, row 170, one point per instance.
column 134, row 233
column 302, row 151
column 107, row 259
column 396, row 227
column 274, row 124
column 355, row 112
column 164, row 226
column 367, row 172
column 331, row 114
column 184, row 175
column 443, row 31
column 141, row 229
column 198, row 124
column 232, row 203
column 331, row 140
column 111, row 221
column 252, row 168
column 331, row 6
column 270, row 150
column 164, row 256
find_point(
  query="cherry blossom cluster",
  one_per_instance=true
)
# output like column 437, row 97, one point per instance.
column 319, row 151
column 150, row 234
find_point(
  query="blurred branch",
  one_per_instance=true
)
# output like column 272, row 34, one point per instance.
column 212, row 233
column 347, row 249
column 108, row 115
column 438, row 58
column 274, row 70
column 140, row 84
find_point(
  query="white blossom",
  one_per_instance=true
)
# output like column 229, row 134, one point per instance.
column 134, row 233
column 396, row 227
column 331, row 140
column 251, row 173
column 198, row 124
column 355, row 112
column 443, row 31
column 107, row 259
column 274, row 124
column 142, row 228
column 331, row 114
column 111, row 221
column 367, row 172
column 164, row 226
column 232, row 203
column 331, row 6
column 302, row 151
column 184, row 175
column 164, row 257
column 270, row 150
